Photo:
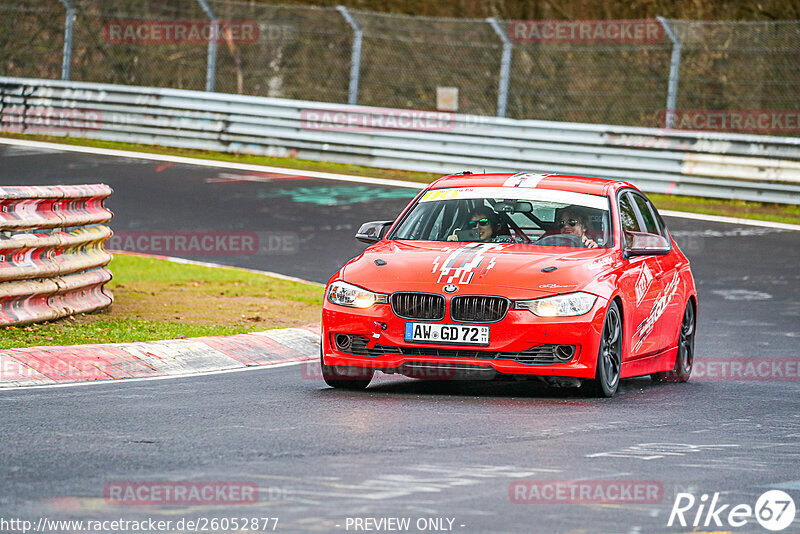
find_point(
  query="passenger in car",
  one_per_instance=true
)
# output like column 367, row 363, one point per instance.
column 574, row 222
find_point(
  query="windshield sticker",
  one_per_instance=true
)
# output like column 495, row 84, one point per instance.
column 655, row 314
column 525, row 179
column 441, row 194
column 464, row 262
column 560, row 198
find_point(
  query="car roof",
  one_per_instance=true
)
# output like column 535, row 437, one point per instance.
column 559, row 182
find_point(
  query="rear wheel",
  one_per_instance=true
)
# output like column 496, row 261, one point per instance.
column 684, row 360
column 352, row 378
column 609, row 357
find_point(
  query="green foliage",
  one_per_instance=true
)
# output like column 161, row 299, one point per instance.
column 75, row 332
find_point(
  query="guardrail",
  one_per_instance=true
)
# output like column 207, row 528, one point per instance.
column 721, row 165
column 52, row 261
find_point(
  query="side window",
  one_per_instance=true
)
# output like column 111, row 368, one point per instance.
column 648, row 215
column 627, row 217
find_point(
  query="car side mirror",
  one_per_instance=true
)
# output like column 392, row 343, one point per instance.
column 644, row 244
column 372, row 232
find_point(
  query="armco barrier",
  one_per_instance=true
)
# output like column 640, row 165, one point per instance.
column 722, row 165
column 52, row 261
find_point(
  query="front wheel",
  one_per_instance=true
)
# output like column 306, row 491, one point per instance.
column 684, row 360
column 352, row 378
column 609, row 357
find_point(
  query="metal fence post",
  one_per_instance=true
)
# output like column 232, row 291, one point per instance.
column 67, row 55
column 505, row 67
column 355, row 58
column 211, row 63
column 674, row 68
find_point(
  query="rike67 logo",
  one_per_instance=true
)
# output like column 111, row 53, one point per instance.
column 774, row 510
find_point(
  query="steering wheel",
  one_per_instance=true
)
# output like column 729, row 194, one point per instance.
column 561, row 240
column 521, row 235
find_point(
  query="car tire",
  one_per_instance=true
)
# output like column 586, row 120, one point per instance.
column 684, row 359
column 355, row 379
column 609, row 355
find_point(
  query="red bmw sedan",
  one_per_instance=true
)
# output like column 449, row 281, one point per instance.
column 572, row 280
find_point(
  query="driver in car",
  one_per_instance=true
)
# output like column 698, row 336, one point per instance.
column 489, row 227
column 573, row 222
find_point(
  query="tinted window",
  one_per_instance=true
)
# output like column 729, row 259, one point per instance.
column 627, row 215
column 648, row 215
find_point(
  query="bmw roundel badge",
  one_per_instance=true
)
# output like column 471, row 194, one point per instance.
column 450, row 288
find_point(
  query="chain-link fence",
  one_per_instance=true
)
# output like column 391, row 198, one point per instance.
column 590, row 71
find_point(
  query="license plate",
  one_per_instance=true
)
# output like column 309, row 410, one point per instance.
column 460, row 334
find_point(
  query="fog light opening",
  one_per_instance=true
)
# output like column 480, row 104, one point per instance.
column 565, row 352
column 343, row 342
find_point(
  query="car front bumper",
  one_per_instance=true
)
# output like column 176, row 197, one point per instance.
column 511, row 342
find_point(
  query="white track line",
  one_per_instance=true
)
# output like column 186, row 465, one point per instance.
column 332, row 176
column 160, row 377
column 212, row 163
column 729, row 220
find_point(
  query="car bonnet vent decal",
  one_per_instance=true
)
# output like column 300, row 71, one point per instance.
column 462, row 263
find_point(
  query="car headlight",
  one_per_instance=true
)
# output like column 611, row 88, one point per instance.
column 345, row 294
column 567, row 305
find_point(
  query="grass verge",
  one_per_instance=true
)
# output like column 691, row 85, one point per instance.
column 709, row 206
column 158, row 299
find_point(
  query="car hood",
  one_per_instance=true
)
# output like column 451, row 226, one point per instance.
column 485, row 268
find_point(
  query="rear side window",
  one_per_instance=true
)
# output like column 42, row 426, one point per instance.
column 651, row 226
column 628, row 218
column 627, row 215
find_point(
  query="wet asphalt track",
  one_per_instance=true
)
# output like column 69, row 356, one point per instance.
column 402, row 448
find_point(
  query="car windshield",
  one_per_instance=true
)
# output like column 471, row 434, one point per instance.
column 509, row 215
